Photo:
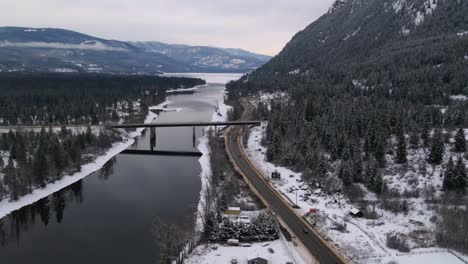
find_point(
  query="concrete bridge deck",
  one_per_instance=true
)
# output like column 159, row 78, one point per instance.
column 187, row 124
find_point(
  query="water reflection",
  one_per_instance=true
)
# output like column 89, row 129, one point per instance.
column 51, row 208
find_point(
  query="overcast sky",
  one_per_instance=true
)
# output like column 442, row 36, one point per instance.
column 263, row 26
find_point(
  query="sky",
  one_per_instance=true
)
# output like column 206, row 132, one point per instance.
column 262, row 26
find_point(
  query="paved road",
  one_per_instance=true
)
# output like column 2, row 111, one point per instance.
column 315, row 244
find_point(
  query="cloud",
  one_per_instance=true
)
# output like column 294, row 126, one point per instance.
column 98, row 46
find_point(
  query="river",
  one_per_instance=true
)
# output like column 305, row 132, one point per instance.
column 107, row 216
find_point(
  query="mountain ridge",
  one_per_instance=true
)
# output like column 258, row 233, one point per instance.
column 60, row 50
column 358, row 30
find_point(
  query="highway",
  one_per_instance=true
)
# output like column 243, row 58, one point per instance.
column 309, row 237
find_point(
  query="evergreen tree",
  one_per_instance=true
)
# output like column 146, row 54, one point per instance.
column 425, row 136
column 322, row 167
column 346, row 173
column 378, row 186
column 40, row 167
column 379, row 154
column 460, row 142
column 357, row 167
column 414, row 140
column 11, row 180
column 437, row 148
column 401, row 148
column 449, row 176
column 460, row 175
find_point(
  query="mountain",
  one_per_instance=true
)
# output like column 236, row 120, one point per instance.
column 60, row 50
column 379, row 41
column 247, row 54
column 207, row 58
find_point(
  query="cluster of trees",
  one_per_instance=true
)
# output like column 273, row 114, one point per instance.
column 37, row 158
column 356, row 131
column 452, row 229
column 80, row 99
column 262, row 228
column 455, row 176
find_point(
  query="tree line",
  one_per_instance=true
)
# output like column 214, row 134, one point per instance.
column 37, row 158
column 59, row 99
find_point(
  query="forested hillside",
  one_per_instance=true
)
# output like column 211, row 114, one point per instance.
column 376, row 100
column 60, row 99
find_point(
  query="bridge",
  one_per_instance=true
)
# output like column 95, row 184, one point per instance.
column 153, row 126
column 187, row 124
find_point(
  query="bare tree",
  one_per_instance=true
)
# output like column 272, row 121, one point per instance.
column 170, row 238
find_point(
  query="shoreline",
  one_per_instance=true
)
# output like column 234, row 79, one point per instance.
column 206, row 172
column 7, row 207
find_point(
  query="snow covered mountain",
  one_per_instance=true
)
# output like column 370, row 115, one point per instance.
column 59, row 50
column 208, row 58
column 366, row 32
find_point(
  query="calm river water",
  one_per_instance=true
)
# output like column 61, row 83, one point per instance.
column 107, row 216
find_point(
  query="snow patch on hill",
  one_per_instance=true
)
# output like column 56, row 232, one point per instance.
column 336, row 5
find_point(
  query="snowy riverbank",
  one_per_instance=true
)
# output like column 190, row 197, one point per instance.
column 6, row 206
column 219, row 115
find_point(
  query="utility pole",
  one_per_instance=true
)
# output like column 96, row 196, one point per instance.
column 296, row 198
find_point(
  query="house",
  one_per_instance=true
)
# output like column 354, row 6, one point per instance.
column 257, row 256
column 236, row 211
column 257, row 260
column 232, row 213
column 356, row 212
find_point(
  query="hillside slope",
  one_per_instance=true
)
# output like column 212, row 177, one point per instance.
column 366, row 37
column 207, row 58
column 370, row 104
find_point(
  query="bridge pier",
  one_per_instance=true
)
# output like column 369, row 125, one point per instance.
column 193, row 136
column 152, row 138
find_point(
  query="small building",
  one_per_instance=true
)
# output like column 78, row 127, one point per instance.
column 276, row 175
column 257, row 260
column 244, row 219
column 257, row 257
column 356, row 212
column 232, row 213
column 233, row 242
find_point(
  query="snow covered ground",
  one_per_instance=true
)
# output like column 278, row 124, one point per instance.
column 185, row 89
column 6, row 207
column 422, row 257
column 163, row 107
column 363, row 238
column 215, row 253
